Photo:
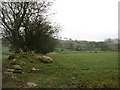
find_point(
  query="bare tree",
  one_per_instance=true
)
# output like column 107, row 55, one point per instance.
column 25, row 25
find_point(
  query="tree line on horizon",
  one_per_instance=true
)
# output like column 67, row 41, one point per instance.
column 76, row 45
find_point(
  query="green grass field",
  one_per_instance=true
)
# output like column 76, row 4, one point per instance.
column 80, row 70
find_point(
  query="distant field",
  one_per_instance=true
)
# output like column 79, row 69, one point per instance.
column 79, row 70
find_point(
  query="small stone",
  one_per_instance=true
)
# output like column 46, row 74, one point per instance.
column 17, row 56
column 54, row 78
column 10, row 70
column 33, row 69
column 81, row 85
column 14, row 59
column 32, row 85
column 32, row 52
column 22, row 63
column 14, row 77
column 7, row 72
column 40, row 78
column 38, row 69
column 73, row 78
column 17, row 67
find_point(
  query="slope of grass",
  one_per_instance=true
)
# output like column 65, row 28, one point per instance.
column 81, row 70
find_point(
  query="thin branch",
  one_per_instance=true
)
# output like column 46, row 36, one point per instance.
column 3, row 20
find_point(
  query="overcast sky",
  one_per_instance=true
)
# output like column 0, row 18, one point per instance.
column 92, row 20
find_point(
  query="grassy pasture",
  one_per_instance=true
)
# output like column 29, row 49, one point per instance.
column 79, row 70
